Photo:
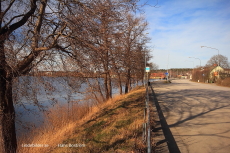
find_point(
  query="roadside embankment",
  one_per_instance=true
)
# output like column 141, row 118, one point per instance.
column 113, row 126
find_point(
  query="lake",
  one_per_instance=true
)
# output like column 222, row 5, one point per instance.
column 35, row 95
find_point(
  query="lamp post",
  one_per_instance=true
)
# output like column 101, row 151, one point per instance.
column 196, row 58
column 145, row 70
column 192, row 67
column 215, row 49
column 145, row 65
column 200, row 63
column 168, row 69
column 218, row 55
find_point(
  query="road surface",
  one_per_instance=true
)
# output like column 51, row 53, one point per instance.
column 197, row 114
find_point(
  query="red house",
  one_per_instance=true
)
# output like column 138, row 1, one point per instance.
column 158, row 75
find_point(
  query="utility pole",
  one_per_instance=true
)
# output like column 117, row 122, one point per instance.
column 168, row 69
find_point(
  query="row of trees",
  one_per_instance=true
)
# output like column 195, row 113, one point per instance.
column 96, row 35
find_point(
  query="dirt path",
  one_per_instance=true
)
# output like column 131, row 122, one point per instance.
column 198, row 115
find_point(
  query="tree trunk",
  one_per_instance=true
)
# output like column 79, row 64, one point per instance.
column 119, row 83
column 99, row 89
column 110, row 85
column 106, row 86
column 126, row 88
column 127, row 83
column 8, row 142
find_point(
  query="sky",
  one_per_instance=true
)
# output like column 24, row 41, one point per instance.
column 178, row 29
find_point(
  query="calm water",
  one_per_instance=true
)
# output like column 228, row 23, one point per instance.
column 35, row 95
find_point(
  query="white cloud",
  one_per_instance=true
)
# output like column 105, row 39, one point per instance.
column 180, row 27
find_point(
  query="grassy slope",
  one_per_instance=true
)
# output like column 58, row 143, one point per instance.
column 115, row 127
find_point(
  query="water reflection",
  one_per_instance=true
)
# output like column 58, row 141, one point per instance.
column 35, row 95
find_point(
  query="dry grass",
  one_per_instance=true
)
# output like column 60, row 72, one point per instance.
column 59, row 123
column 113, row 126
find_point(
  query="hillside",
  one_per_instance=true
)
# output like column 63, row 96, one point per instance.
column 115, row 127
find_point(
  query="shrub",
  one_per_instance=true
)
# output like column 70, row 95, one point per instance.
column 224, row 82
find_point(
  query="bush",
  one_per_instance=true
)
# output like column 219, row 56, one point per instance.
column 224, row 82
column 167, row 81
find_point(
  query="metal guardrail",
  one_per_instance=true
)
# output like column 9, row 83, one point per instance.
column 146, row 124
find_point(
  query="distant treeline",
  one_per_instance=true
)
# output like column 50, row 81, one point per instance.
column 174, row 69
column 62, row 74
column 74, row 74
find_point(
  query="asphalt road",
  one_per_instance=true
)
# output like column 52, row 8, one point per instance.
column 197, row 114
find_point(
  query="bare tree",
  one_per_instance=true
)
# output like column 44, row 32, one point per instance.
column 40, row 29
column 8, row 141
column 201, row 74
column 153, row 66
column 27, row 36
column 133, row 38
column 97, row 33
column 218, row 60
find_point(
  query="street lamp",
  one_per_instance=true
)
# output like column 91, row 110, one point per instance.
column 168, row 69
column 196, row 58
column 218, row 53
column 192, row 69
column 145, row 69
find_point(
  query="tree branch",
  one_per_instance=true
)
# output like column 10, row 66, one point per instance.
column 7, row 9
column 18, row 24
